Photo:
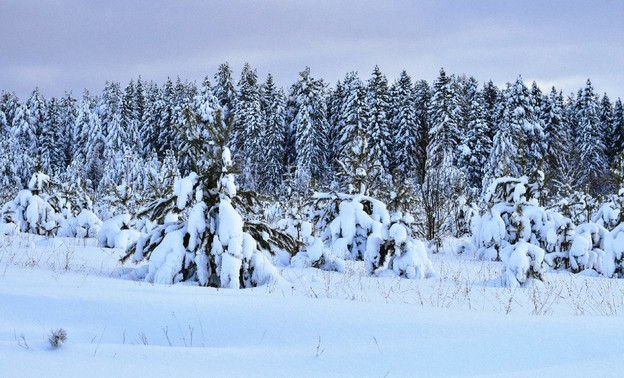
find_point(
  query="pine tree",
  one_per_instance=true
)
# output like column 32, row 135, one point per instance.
column 405, row 125
column 593, row 153
column 224, row 91
column 22, row 130
column 617, row 131
column 166, row 118
column 493, row 104
column 130, row 118
column 36, row 105
column 51, row 141
column 422, row 99
column 212, row 244
column 605, row 115
column 310, row 127
column 558, row 138
column 518, row 146
column 476, row 146
column 445, row 118
column 354, row 112
column 335, row 125
column 67, row 119
column 249, row 127
column 379, row 125
column 150, row 121
column 273, row 105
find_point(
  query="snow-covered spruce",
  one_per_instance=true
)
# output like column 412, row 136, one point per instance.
column 210, row 243
column 516, row 230
column 314, row 253
column 359, row 227
column 48, row 208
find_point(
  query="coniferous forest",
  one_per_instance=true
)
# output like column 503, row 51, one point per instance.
column 520, row 170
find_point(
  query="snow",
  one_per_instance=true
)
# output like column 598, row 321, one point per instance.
column 461, row 322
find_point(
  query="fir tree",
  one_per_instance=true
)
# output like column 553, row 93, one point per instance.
column 617, row 131
column 310, row 127
column 593, row 153
column 445, row 116
column 212, row 244
column 605, row 115
column 273, row 104
column 405, row 125
column 224, row 91
column 354, row 112
column 249, row 127
column 379, row 125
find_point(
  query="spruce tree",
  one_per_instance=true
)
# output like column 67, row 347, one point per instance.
column 593, row 152
column 249, row 127
column 224, row 91
column 476, row 145
column 445, row 118
column 308, row 109
column 405, row 125
column 617, row 131
column 273, row 105
column 379, row 124
column 150, row 121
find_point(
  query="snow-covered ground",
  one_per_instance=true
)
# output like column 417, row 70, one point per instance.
column 460, row 322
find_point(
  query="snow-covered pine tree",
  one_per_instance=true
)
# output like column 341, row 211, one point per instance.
column 248, row 129
column 356, row 226
column 67, row 119
column 224, row 91
column 210, row 244
column 516, row 230
column 53, row 138
column 36, row 105
column 130, row 118
column 518, row 146
column 354, row 112
column 22, row 130
column 617, row 130
column 445, row 118
column 273, row 105
column 308, row 109
column 335, row 126
column 405, row 125
column 605, row 115
column 150, row 121
column 590, row 141
column 379, row 124
column 476, row 146
column 494, row 104
column 558, row 139
column 165, row 107
column 422, row 97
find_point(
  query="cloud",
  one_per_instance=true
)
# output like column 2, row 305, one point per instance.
column 73, row 44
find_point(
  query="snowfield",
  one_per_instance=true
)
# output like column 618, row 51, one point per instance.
column 460, row 322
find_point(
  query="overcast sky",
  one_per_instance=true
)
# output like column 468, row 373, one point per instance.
column 70, row 45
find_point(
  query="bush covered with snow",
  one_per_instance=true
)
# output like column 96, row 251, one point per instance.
column 359, row 227
column 517, row 230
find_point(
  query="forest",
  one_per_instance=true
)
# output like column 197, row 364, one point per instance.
column 218, row 182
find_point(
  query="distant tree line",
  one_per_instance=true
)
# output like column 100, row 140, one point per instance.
column 448, row 139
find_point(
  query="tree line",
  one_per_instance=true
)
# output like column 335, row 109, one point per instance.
column 449, row 139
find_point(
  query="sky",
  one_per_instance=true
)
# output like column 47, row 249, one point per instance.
column 72, row 45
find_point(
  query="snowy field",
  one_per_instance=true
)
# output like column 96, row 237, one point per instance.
column 460, row 322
